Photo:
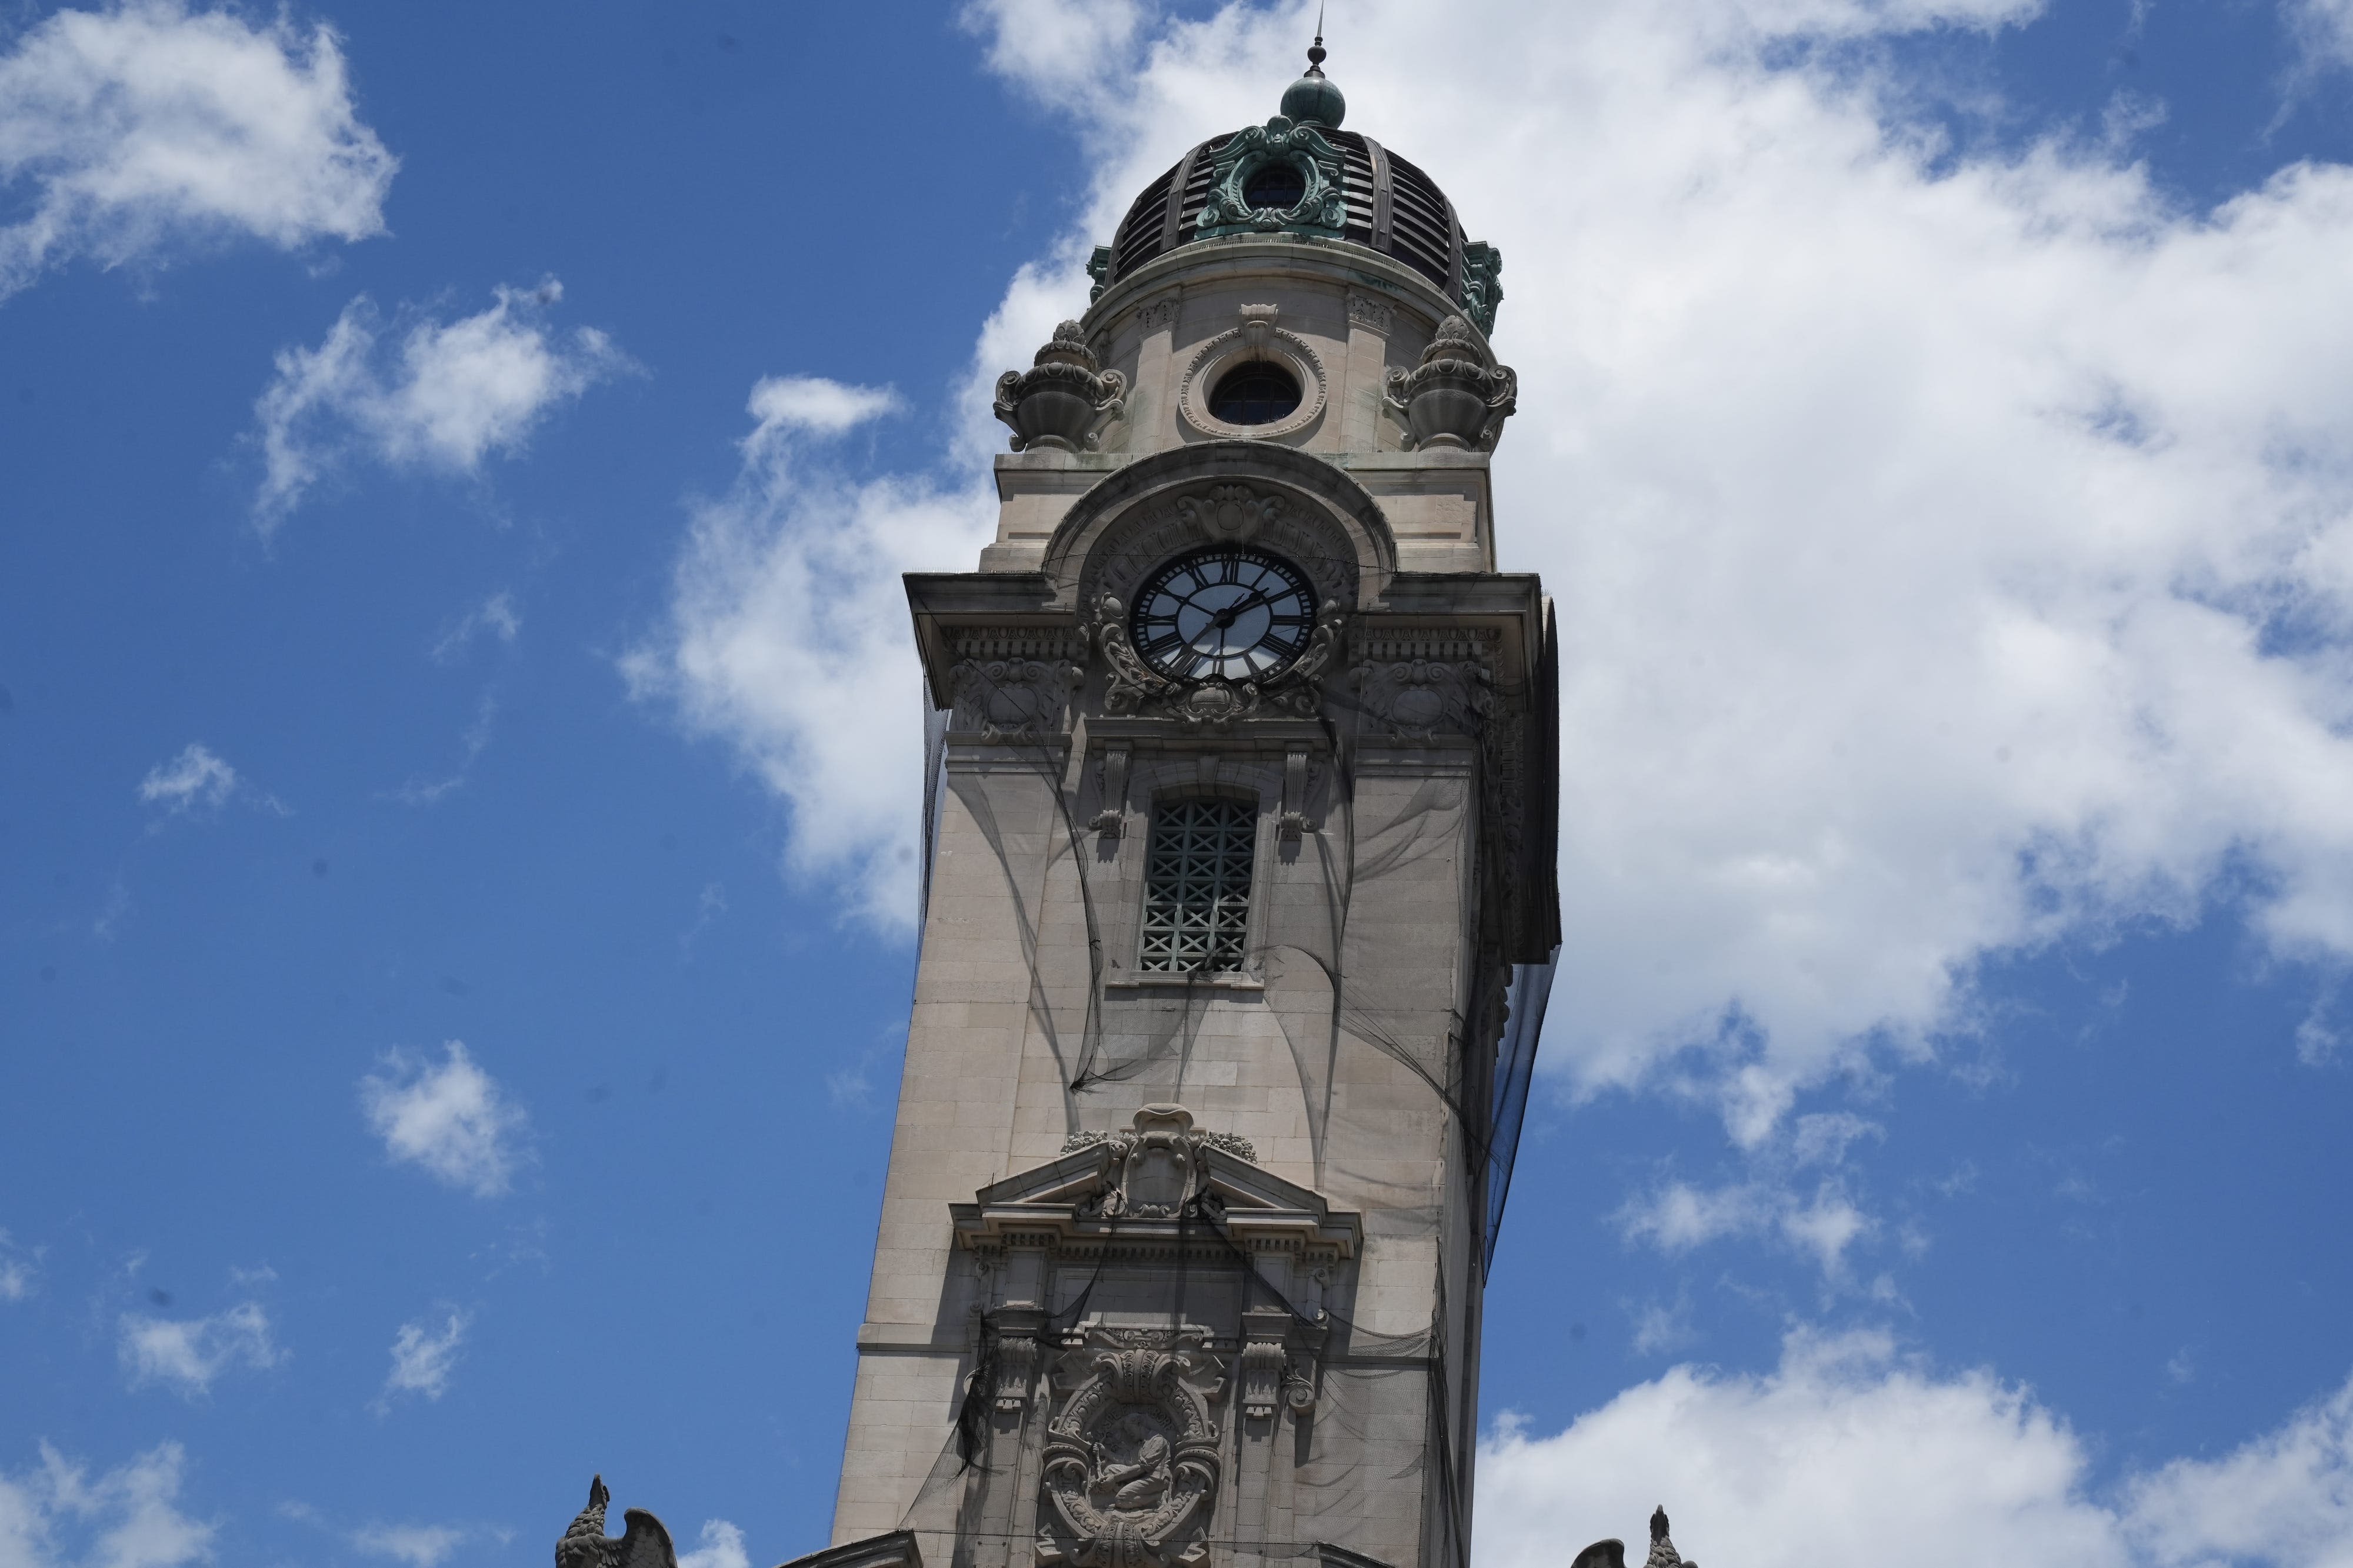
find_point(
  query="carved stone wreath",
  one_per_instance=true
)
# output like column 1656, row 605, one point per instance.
column 1131, row 1466
column 1255, row 338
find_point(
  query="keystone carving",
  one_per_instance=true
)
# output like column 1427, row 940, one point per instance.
column 1062, row 397
column 1009, row 699
column 1156, row 1165
column 644, row 1544
column 1417, row 700
column 1231, row 514
column 1457, row 397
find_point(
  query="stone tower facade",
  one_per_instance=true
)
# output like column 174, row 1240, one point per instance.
column 1238, row 909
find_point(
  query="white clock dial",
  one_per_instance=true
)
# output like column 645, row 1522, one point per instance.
column 1223, row 615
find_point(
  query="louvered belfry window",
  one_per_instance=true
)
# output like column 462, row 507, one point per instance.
column 1197, row 886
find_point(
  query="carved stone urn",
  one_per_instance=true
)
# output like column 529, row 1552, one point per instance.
column 1456, row 397
column 1061, row 397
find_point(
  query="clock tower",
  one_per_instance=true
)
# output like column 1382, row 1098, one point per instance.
column 1238, row 909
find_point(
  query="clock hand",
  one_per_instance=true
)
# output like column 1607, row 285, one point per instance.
column 1225, row 618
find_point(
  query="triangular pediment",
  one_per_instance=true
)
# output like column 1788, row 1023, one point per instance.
column 1158, row 1176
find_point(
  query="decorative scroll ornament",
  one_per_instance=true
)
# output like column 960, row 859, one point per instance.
column 644, row 1544
column 1131, row 1466
column 1457, row 397
column 1419, row 699
column 1062, row 397
column 1012, row 699
column 1323, row 207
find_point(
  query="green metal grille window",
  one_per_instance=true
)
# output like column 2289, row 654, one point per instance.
column 1197, row 885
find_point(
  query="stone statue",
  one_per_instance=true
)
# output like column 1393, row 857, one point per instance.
column 644, row 1544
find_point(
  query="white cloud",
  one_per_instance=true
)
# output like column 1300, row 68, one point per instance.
column 474, row 742
column 418, row 1545
column 144, row 126
column 195, row 778
column 422, row 1359
column 721, row 1546
column 450, row 394
column 451, row 1119
column 1845, row 1448
column 59, row 1516
column 186, row 1354
column 19, row 1272
column 812, row 404
column 2322, row 30
column 494, row 616
column 787, row 634
column 1961, row 558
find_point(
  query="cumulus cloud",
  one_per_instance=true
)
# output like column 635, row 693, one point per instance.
column 195, row 778
column 1960, row 557
column 187, row 1354
column 445, row 397
column 130, row 130
column 787, row 632
column 60, row 1516
column 2323, row 30
column 422, row 1359
column 450, row 1118
column 721, row 1546
column 1846, row 1450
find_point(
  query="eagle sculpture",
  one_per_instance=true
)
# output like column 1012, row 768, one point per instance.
column 644, row 1544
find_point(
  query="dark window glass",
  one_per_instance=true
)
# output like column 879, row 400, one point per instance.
column 1278, row 185
column 1254, row 393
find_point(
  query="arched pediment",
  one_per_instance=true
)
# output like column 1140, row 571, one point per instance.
column 1223, row 491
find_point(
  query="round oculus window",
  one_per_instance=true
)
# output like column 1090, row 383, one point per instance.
column 1223, row 613
column 1258, row 393
column 1280, row 185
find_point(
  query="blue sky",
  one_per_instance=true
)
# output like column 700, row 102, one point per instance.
column 459, row 748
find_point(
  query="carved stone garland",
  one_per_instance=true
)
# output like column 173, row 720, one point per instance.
column 1131, row 1466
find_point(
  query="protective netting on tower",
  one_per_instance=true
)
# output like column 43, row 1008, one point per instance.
column 1374, row 1037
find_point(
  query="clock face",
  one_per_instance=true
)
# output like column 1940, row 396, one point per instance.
column 1224, row 614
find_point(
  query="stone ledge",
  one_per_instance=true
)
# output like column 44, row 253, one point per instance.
column 896, row 1550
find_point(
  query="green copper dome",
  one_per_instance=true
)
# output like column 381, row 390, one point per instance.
column 1300, row 174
